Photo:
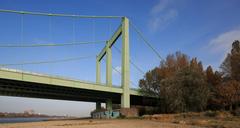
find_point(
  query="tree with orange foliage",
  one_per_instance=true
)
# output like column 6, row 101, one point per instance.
column 231, row 64
column 179, row 83
column 229, row 93
column 214, row 79
column 168, row 68
column 235, row 61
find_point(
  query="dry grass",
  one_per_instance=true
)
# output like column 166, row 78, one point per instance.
column 207, row 119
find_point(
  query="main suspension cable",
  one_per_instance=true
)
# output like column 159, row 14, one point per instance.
column 50, row 44
column 47, row 62
column 145, row 40
column 52, row 14
column 134, row 65
column 74, row 29
column 120, row 73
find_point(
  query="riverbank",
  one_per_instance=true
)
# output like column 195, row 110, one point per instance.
column 91, row 123
column 208, row 119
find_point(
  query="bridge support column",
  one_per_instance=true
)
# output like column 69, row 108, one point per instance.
column 108, row 64
column 109, row 104
column 125, row 98
column 98, row 71
column 98, row 105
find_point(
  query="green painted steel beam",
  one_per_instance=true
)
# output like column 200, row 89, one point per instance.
column 101, row 54
column 109, row 104
column 28, row 92
column 115, row 36
column 124, row 31
column 98, row 105
column 57, row 81
column 108, row 64
column 125, row 99
column 98, row 71
column 135, row 92
column 113, row 39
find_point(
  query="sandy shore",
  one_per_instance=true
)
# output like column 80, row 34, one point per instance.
column 116, row 123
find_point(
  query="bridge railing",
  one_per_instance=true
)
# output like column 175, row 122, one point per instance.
column 53, row 76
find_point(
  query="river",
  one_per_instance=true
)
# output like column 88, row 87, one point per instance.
column 23, row 119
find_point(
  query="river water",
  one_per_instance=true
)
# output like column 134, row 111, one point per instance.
column 23, row 119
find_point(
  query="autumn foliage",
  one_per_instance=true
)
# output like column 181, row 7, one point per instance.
column 181, row 84
column 228, row 91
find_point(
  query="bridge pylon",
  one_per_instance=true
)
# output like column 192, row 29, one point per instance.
column 125, row 98
column 123, row 30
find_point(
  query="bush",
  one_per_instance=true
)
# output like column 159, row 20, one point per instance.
column 236, row 112
column 121, row 117
column 210, row 113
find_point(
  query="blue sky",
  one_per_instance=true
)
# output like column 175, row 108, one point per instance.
column 203, row 29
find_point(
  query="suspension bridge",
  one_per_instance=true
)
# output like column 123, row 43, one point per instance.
column 28, row 84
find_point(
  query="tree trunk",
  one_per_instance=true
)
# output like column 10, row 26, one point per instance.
column 230, row 107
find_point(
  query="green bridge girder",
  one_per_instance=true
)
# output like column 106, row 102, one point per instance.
column 26, row 84
column 16, row 75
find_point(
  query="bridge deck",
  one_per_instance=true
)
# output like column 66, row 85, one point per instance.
column 18, row 75
column 27, row 84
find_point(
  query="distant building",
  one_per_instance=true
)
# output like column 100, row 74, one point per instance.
column 29, row 112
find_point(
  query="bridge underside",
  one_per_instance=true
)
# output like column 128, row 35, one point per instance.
column 18, row 88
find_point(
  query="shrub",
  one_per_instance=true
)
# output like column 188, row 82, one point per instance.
column 236, row 112
column 210, row 113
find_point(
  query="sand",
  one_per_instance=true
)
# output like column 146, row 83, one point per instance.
column 89, row 123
